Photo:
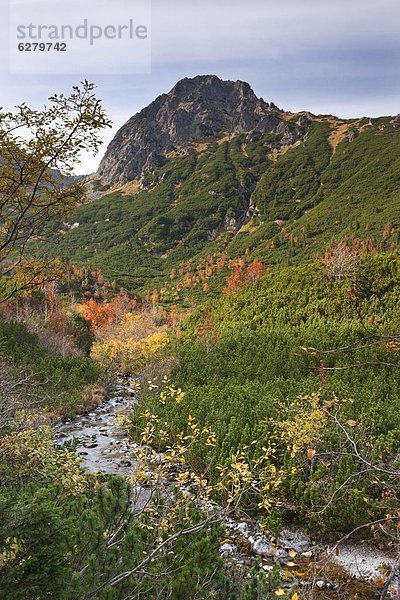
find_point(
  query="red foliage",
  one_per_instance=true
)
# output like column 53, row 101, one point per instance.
column 102, row 315
column 235, row 281
column 174, row 317
column 255, row 270
column 99, row 316
column 242, row 275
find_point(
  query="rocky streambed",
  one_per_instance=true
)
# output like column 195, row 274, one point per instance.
column 104, row 447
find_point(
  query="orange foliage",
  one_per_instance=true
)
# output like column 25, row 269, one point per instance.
column 99, row 316
column 192, row 274
column 255, row 270
column 102, row 315
column 206, row 329
column 174, row 317
column 242, row 275
column 235, row 281
column 242, row 271
column 155, row 297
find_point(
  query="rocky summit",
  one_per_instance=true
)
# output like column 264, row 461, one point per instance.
column 196, row 110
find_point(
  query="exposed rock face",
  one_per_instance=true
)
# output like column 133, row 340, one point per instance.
column 195, row 110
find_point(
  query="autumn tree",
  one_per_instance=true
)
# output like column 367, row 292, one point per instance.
column 98, row 315
column 255, row 270
column 174, row 317
column 38, row 150
column 155, row 297
column 241, row 275
column 235, row 281
column 341, row 259
column 206, row 329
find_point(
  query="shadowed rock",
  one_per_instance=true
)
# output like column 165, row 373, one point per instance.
column 196, row 110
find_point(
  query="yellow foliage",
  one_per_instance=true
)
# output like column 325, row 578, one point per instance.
column 129, row 352
column 129, row 319
column 305, row 428
column 130, row 342
column 166, row 457
column 30, row 454
column 12, row 547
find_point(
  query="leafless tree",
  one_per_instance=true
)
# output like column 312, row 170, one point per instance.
column 385, row 474
column 341, row 260
column 16, row 392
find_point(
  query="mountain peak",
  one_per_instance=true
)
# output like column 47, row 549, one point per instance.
column 199, row 109
column 211, row 83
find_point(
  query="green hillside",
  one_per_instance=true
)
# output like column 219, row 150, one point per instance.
column 261, row 357
column 233, row 195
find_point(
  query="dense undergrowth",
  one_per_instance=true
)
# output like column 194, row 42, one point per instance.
column 283, row 365
column 254, row 290
column 66, row 533
column 58, row 381
column 245, row 360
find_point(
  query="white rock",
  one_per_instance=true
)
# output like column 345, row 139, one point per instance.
column 228, row 549
column 295, row 540
column 242, row 528
column 263, row 548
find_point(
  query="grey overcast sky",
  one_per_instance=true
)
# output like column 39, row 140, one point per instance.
column 326, row 56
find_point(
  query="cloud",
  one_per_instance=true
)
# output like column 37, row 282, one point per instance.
column 260, row 28
column 341, row 57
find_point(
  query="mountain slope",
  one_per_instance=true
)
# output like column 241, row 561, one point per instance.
column 283, row 193
column 195, row 111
